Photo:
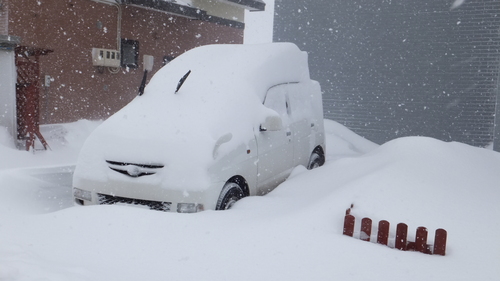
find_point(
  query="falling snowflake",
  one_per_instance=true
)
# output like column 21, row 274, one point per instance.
column 457, row 4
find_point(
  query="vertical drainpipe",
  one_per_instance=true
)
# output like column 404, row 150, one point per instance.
column 496, row 122
column 119, row 21
column 496, row 118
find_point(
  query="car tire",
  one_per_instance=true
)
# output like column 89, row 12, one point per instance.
column 315, row 161
column 231, row 192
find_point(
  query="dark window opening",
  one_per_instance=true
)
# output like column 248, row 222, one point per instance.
column 167, row 59
column 130, row 53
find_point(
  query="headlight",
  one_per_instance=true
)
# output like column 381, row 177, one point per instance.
column 82, row 194
column 189, row 208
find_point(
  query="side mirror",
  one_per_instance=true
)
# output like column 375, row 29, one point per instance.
column 272, row 123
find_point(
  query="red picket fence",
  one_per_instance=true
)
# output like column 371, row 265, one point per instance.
column 401, row 242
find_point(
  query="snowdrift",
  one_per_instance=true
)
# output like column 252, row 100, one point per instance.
column 293, row 233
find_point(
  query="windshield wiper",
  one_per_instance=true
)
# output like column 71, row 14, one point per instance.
column 181, row 82
column 143, row 83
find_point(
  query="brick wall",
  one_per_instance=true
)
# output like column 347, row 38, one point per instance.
column 402, row 68
column 71, row 29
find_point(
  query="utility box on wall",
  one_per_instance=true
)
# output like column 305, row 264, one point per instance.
column 105, row 57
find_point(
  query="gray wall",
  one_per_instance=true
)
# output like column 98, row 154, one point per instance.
column 393, row 68
column 8, row 90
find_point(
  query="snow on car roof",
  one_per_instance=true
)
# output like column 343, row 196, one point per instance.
column 226, row 85
column 224, row 90
column 231, row 67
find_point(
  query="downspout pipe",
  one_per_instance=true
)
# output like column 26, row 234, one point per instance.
column 496, row 118
column 117, row 4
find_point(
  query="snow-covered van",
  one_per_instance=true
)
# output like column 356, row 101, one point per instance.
column 216, row 124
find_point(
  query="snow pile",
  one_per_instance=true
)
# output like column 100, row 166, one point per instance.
column 39, row 182
column 293, row 233
column 342, row 142
column 65, row 141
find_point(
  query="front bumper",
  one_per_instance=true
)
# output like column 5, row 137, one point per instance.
column 150, row 196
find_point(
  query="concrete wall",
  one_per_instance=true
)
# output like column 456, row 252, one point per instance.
column 394, row 68
column 8, row 90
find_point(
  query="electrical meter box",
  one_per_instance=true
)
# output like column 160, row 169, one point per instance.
column 105, row 57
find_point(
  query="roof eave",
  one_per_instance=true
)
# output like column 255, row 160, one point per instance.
column 168, row 7
column 251, row 5
column 9, row 41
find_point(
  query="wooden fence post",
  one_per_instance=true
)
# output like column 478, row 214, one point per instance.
column 401, row 241
column 366, row 229
column 349, row 225
column 421, row 240
column 440, row 242
column 401, row 236
column 383, row 232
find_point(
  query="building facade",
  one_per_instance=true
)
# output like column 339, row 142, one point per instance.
column 395, row 68
column 84, row 59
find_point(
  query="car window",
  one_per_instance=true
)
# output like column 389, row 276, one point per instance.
column 277, row 100
column 300, row 100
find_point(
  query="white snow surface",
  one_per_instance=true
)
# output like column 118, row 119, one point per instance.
column 293, row 233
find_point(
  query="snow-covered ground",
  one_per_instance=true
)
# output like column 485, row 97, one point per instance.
column 293, row 233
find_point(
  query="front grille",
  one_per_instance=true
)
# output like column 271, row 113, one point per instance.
column 134, row 170
column 105, row 199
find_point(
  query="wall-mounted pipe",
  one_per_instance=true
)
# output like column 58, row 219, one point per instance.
column 119, row 21
column 118, row 28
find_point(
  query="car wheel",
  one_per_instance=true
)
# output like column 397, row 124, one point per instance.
column 231, row 192
column 315, row 161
